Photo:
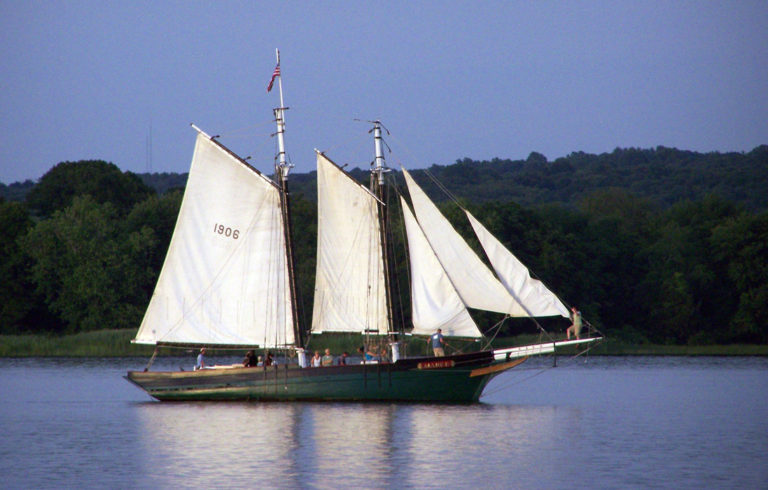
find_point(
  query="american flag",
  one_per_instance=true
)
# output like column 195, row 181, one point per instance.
column 275, row 74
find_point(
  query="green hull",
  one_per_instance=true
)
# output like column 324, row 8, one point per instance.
column 445, row 379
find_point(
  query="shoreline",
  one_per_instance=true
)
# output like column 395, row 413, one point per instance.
column 117, row 343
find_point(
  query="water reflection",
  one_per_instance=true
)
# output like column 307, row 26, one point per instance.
column 648, row 422
column 354, row 445
column 447, row 442
column 219, row 443
column 348, row 444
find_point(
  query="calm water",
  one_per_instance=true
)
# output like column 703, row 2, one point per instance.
column 606, row 423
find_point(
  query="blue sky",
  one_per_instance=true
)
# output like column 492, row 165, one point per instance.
column 450, row 79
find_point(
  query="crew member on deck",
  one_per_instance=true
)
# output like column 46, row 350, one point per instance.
column 200, row 360
column 438, row 343
column 576, row 325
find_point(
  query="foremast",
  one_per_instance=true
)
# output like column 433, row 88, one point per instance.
column 379, row 188
column 282, row 170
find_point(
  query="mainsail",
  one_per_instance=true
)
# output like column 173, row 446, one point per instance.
column 224, row 280
column 434, row 300
column 350, row 293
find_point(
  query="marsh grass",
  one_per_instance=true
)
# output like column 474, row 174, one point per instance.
column 100, row 343
column 117, row 343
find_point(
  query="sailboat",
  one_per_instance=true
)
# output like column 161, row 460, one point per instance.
column 228, row 281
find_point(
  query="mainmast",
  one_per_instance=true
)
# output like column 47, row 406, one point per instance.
column 282, row 169
column 380, row 190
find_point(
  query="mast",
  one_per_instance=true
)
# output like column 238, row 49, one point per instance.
column 380, row 190
column 282, row 169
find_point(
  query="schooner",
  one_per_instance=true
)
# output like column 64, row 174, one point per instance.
column 228, row 281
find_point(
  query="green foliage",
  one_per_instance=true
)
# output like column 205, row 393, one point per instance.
column 103, row 181
column 654, row 246
column 18, row 304
column 17, row 191
column 164, row 182
column 77, row 264
column 304, row 222
column 740, row 248
column 663, row 176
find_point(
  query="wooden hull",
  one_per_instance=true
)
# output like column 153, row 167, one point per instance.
column 452, row 379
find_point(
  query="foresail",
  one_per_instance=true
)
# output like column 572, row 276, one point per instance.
column 531, row 293
column 224, row 280
column 474, row 281
column 434, row 301
column 350, row 294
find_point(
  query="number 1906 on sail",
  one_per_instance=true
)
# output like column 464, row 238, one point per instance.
column 226, row 231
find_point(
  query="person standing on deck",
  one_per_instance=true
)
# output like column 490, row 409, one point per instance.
column 327, row 359
column 200, row 360
column 438, row 343
column 576, row 325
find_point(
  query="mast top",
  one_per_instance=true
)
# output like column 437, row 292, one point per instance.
column 379, row 165
column 281, row 166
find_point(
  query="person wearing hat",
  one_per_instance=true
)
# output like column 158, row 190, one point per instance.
column 200, row 360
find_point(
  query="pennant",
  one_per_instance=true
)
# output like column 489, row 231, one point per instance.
column 275, row 74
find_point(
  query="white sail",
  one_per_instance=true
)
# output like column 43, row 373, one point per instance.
column 350, row 293
column 225, row 277
column 434, row 301
column 474, row 281
column 532, row 294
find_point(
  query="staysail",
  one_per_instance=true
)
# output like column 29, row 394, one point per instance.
column 224, row 280
column 434, row 300
column 531, row 293
column 474, row 281
column 350, row 293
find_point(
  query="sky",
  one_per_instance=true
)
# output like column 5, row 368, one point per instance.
column 121, row 81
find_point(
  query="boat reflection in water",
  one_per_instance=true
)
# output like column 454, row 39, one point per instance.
column 349, row 445
column 220, row 444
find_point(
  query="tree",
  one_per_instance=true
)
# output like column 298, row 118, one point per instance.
column 79, row 267
column 741, row 246
column 19, row 306
column 103, row 181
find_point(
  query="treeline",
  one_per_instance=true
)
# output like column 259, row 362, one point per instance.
column 664, row 176
column 82, row 251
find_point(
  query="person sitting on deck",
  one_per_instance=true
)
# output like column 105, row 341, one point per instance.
column 316, row 359
column 342, row 359
column 576, row 325
column 327, row 359
column 250, row 359
column 200, row 360
column 366, row 354
column 269, row 361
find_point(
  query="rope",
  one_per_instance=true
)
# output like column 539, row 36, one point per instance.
column 569, row 360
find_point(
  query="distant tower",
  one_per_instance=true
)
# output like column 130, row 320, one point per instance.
column 148, row 155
